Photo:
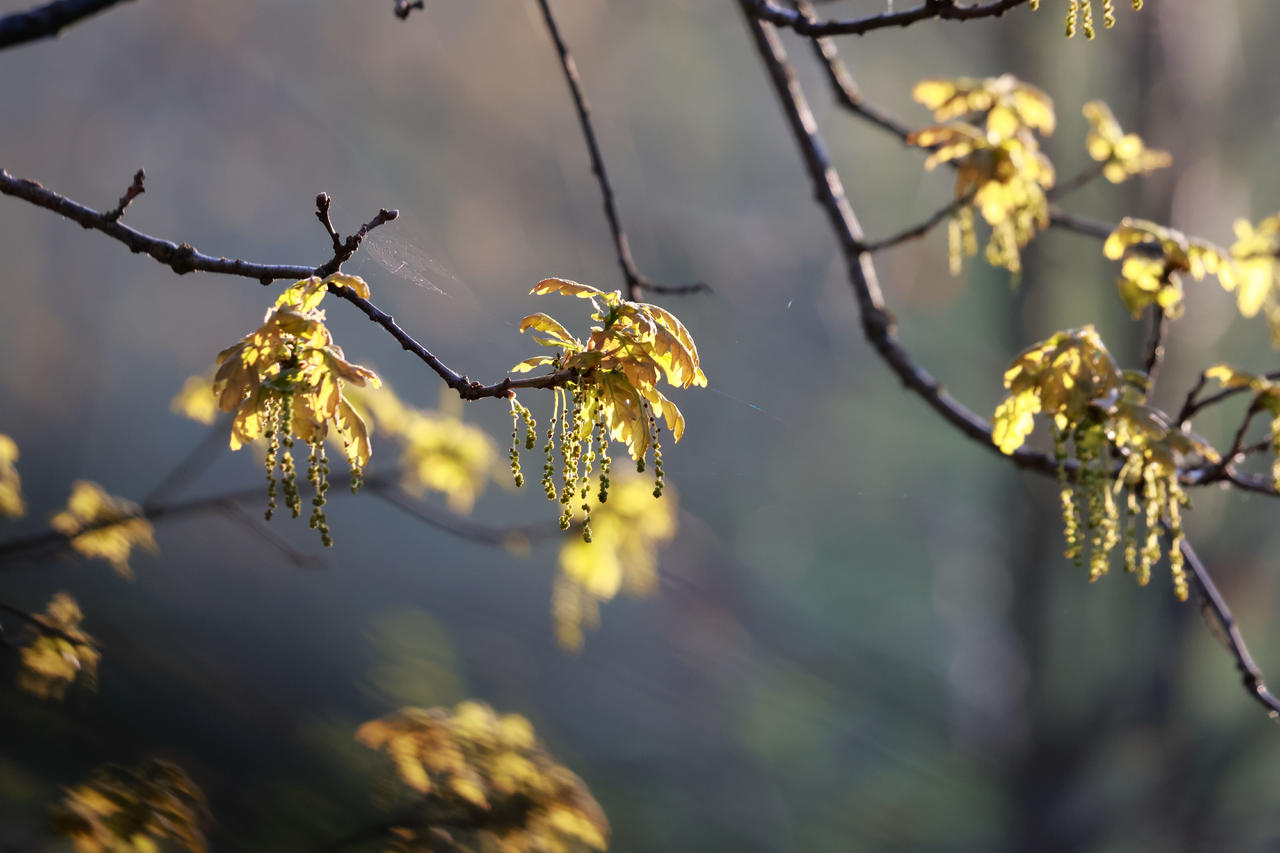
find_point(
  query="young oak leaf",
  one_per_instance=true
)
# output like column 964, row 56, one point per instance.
column 1122, row 154
column 287, row 379
column 123, row 809
column 60, row 654
column 11, row 501
column 103, row 527
column 1000, row 169
column 613, row 394
column 1255, row 254
column 477, row 766
column 1154, row 260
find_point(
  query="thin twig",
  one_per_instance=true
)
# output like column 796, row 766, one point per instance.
column 635, row 281
column 1095, row 228
column 877, row 325
column 1191, row 406
column 194, row 463
column 38, row 623
column 764, row 10
column 185, row 259
column 463, row 528
column 1072, row 184
column 1214, row 604
column 1237, row 441
column 877, row 322
column 404, row 7
column 842, row 83
column 917, row 231
column 1154, row 353
column 384, row 485
column 258, row 527
column 48, row 21
column 135, row 189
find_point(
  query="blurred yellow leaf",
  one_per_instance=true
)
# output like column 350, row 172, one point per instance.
column 11, row 501
column 1123, row 154
column 492, row 783
column 196, row 400
column 100, row 526
column 1000, row 169
column 134, row 809
column 53, row 659
column 622, row 556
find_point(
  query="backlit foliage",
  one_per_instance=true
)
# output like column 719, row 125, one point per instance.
column 1154, row 260
column 488, row 784
column 1266, row 399
column 990, row 137
column 196, row 400
column 287, row 379
column 100, row 526
column 1127, row 454
column 622, row 556
column 1080, row 13
column 1255, row 253
column 441, row 453
column 141, row 809
column 55, row 658
column 1122, row 154
column 612, row 397
column 11, row 502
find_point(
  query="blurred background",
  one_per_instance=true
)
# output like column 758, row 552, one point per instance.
column 864, row 636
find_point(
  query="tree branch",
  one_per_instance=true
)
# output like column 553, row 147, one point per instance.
column 385, row 486
column 806, row 25
column 878, row 328
column 1083, row 179
column 917, row 231
column 404, row 7
column 635, row 281
column 1154, row 353
column 1191, row 405
column 48, row 21
column 1213, row 603
column 877, row 322
column 185, row 258
column 846, row 91
column 37, row 623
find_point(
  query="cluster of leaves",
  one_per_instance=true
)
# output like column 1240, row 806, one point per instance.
column 613, row 395
column 990, row 137
column 1266, row 399
column 134, row 810
column 287, row 379
column 1255, row 254
column 102, row 526
column 11, row 502
column 623, row 556
column 1081, row 12
column 488, row 783
column 441, row 453
column 1121, row 154
column 58, row 651
column 1126, row 453
column 55, row 650
column 1154, row 260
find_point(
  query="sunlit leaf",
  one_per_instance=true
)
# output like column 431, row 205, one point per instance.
column 54, row 658
column 11, row 500
column 491, row 782
column 100, row 526
column 1000, row 169
column 358, row 285
column 134, row 808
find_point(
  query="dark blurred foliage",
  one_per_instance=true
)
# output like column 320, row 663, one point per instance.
column 865, row 636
